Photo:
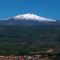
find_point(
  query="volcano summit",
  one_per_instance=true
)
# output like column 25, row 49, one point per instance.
column 27, row 20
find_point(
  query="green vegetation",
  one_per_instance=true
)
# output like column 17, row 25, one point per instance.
column 25, row 39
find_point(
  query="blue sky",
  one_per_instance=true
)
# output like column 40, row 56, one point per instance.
column 45, row 8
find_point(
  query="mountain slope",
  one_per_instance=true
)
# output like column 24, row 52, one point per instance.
column 27, row 20
column 26, row 33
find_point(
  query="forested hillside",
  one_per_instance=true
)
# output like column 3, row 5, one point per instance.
column 18, row 39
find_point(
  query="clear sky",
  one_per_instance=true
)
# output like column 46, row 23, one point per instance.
column 45, row 8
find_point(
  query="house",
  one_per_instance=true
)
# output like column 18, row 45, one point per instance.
column 21, row 58
column 50, row 50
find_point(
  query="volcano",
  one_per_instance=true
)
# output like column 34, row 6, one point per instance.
column 28, row 20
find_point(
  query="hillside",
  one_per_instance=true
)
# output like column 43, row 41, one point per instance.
column 14, row 39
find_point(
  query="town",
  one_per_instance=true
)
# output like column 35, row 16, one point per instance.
column 36, row 57
column 42, row 56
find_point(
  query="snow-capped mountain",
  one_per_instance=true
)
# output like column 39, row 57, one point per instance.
column 32, row 17
column 27, row 20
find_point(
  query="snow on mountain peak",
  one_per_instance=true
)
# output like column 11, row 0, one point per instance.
column 32, row 17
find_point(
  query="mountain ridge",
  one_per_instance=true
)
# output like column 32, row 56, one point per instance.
column 28, row 20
